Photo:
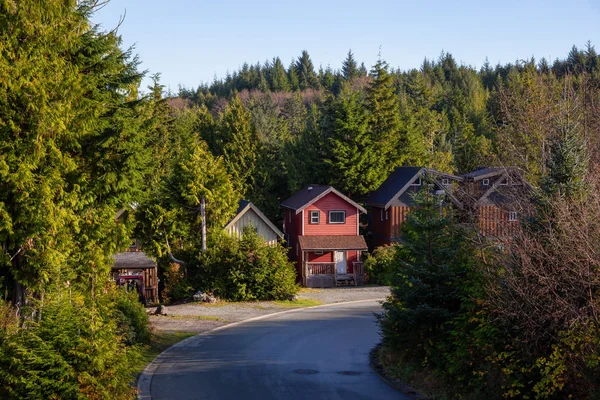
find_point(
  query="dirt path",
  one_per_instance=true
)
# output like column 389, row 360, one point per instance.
column 202, row 317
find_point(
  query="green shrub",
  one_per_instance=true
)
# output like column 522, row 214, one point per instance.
column 131, row 317
column 177, row 285
column 74, row 349
column 246, row 269
column 380, row 264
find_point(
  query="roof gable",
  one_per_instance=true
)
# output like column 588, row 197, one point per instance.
column 243, row 207
column 311, row 193
column 401, row 179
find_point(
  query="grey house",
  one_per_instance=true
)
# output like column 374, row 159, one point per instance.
column 248, row 214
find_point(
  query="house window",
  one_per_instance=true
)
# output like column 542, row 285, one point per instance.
column 445, row 181
column 416, row 182
column 337, row 217
column 386, row 214
column 512, row 216
column 319, row 252
column 486, row 182
column 504, row 181
column 314, row 217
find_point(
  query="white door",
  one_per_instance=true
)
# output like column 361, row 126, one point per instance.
column 340, row 262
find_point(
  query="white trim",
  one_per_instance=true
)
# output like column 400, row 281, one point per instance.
column 311, row 214
column 302, row 222
column 381, row 214
column 485, row 182
column 336, row 211
column 417, row 182
column 387, row 215
column 357, row 223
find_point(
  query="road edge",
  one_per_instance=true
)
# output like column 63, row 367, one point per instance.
column 396, row 384
column 144, row 382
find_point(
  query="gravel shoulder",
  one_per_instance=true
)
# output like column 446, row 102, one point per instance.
column 202, row 317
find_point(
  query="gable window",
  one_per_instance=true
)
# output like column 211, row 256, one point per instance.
column 314, row 217
column 417, row 182
column 512, row 216
column 337, row 217
column 486, row 182
column 445, row 181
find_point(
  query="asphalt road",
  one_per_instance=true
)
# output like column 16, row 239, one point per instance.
column 320, row 353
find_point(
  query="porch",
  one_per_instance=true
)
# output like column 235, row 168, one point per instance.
column 331, row 261
column 325, row 275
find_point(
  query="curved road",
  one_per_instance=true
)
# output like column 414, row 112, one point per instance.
column 318, row 353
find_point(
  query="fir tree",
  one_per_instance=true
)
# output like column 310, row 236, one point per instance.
column 350, row 67
column 278, row 77
column 307, row 78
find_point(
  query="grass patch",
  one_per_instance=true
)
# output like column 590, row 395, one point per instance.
column 159, row 342
column 297, row 303
column 310, row 290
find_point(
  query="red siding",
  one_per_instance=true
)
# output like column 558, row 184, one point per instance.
column 383, row 231
column 493, row 222
column 331, row 202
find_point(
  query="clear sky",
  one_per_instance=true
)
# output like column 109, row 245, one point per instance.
column 190, row 42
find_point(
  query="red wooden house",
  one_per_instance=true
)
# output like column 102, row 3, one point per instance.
column 493, row 196
column 321, row 226
column 392, row 201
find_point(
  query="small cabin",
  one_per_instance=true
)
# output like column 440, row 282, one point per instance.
column 321, row 226
column 134, row 270
column 248, row 214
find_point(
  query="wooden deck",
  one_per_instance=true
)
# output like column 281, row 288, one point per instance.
column 324, row 275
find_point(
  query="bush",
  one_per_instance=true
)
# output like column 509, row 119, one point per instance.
column 246, row 269
column 177, row 285
column 74, row 349
column 131, row 317
column 380, row 265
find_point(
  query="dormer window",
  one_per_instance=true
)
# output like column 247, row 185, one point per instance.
column 445, row 181
column 513, row 216
column 337, row 217
column 417, row 182
column 315, row 217
column 486, row 182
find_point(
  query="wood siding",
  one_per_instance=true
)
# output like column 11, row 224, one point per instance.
column 250, row 218
column 493, row 222
column 383, row 231
column 331, row 202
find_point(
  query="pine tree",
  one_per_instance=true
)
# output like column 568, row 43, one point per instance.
column 384, row 119
column 350, row 67
column 307, row 78
column 351, row 152
column 293, row 77
column 278, row 77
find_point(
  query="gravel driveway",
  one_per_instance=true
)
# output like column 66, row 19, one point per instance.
column 202, row 317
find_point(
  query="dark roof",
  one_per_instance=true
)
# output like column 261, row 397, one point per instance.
column 484, row 173
column 311, row 193
column 392, row 185
column 394, row 188
column 332, row 243
column 133, row 260
column 243, row 207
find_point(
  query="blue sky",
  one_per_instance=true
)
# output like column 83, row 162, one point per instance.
column 190, row 42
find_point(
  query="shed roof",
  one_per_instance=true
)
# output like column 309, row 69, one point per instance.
column 133, row 260
column 310, row 194
column 243, row 207
column 332, row 242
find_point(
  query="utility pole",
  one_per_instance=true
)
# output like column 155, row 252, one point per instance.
column 203, row 216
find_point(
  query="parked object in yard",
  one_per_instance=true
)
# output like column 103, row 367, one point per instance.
column 136, row 271
column 322, row 234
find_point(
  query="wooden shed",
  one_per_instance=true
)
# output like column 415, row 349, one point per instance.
column 249, row 215
column 135, row 270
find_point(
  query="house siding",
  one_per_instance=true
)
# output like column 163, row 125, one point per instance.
column 253, row 219
column 493, row 222
column 382, row 232
column 331, row 202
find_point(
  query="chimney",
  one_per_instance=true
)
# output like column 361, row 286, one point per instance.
column 310, row 188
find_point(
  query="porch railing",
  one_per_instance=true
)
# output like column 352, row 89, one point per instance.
column 320, row 268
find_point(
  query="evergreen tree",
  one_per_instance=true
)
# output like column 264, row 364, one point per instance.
column 293, row 77
column 351, row 152
column 384, row 120
column 350, row 67
column 278, row 77
column 307, row 78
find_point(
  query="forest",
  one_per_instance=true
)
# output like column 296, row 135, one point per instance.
column 80, row 140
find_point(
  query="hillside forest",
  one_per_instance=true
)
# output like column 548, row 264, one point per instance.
column 80, row 141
